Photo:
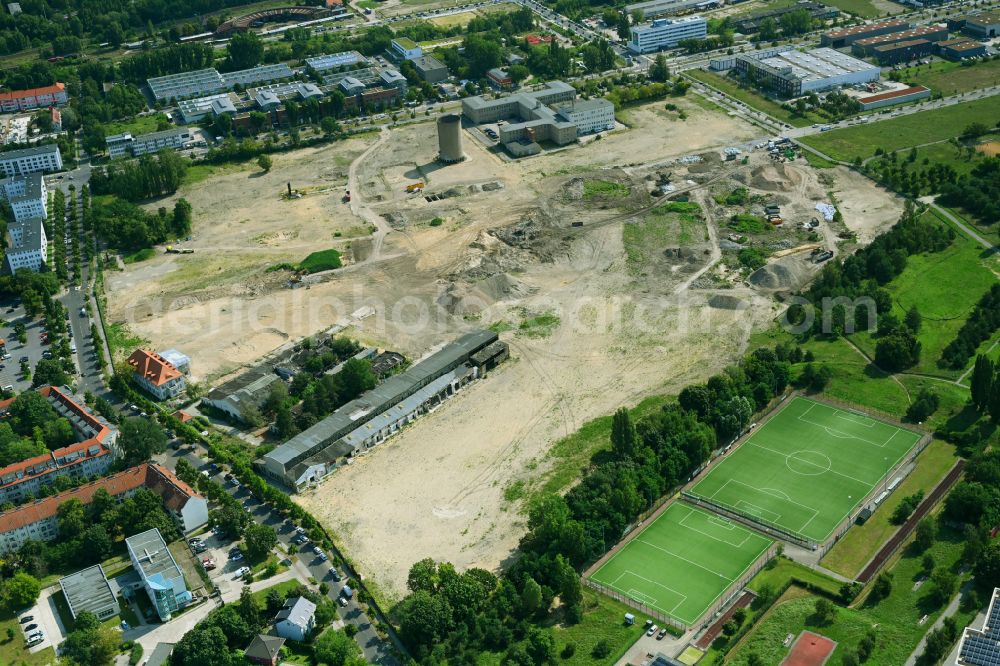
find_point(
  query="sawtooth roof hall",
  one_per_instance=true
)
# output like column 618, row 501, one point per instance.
column 338, row 435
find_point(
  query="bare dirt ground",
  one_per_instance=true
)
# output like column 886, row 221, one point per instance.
column 504, row 253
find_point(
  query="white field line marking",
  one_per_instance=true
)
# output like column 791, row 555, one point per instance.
column 710, row 536
column 815, row 512
column 679, row 557
column 758, row 511
column 831, row 470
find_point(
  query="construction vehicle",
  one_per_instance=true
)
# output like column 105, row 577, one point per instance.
column 414, row 187
column 179, row 250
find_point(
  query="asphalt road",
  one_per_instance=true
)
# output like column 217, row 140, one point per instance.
column 376, row 651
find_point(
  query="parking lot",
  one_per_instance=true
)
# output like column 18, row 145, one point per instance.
column 33, row 348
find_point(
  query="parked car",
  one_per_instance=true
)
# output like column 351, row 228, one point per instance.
column 242, row 571
column 27, row 618
column 322, row 557
column 663, row 632
column 235, row 557
column 317, row 550
column 335, row 574
column 31, row 628
column 300, row 529
column 208, row 563
column 652, row 630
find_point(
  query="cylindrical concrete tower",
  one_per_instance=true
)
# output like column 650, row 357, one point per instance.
column 449, row 128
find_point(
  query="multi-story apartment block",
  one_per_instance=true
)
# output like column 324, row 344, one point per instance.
column 31, row 160
column 92, row 455
column 120, row 145
column 35, row 98
column 27, row 246
column 27, row 196
column 38, row 521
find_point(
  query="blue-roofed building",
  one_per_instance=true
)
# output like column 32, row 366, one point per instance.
column 161, row 578
column 981, row 647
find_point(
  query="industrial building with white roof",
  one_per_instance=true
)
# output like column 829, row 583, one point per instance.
column 794, row 73
column 309, row 456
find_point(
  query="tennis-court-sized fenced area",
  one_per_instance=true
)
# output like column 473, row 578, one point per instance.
column 806, row 469
column 682, row 563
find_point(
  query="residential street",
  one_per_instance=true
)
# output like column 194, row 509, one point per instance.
column 376, row 651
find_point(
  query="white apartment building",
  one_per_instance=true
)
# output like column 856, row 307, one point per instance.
column 27, row 246
column 589, row 115
column 666, row 33
column 27, row 196
column 31, row 160
column 121, row 145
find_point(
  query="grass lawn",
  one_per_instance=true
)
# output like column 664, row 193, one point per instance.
column 674, row 225
column 950, row 78
column 944, row 287
column 806, row 468
column 752, row 98
column 682, row 562
column 460, row 19
column 122, row 341
column 897, row 616
column 135, row 126
column 863, row 8
column 905, row 131
column 776, row 576
column 603, row 621
column 283, row 587
column 139, row 255
column 323, row 260
column 198, row 172
column 605, row 189
column 15, row 652
column 861, row 542
column 784, row 570
column 855, row 382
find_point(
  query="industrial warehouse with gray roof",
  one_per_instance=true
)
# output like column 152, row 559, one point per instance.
column 309, row 456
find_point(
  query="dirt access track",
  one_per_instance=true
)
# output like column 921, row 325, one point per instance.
column 594, row 322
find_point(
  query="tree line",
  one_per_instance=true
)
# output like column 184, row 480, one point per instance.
column 127, row 227
column 977, row 193
column 977, row 329
column 865, row 273
column 148, row 177
column 453, row 617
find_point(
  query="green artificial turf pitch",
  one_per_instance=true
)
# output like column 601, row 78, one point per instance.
column 682, row 562
column 806, row 468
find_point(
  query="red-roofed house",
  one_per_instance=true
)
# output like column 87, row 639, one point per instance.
column 35, row 98
column 92, row 455
column 535, row 40
column 155, row 374
column 38, row 521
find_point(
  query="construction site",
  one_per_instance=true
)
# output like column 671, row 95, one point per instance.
column 620, row 269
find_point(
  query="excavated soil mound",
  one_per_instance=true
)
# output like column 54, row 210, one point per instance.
column 785, row 274
column 774, row 178
column 727, row 302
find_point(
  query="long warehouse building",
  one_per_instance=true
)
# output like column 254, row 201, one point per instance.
column 794, row 73
column 307, row 458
